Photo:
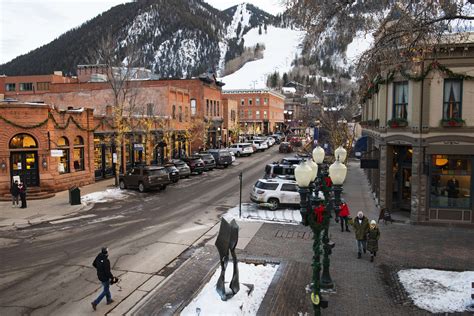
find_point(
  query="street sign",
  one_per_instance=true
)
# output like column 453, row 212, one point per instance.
column 56, row 153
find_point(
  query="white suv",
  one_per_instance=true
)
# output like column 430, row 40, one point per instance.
column 261, row 145
column 241, row 149
column 275, row 192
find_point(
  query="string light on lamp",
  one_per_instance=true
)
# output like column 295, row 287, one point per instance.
column 340, row 153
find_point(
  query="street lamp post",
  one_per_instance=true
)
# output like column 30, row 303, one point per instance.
column 305, row 174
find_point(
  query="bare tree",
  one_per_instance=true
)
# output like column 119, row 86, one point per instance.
column 119, row 63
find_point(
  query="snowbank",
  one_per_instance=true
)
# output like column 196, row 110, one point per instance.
column 208, row 302
column 252, row 213
column 104, row 196
column 438, row 291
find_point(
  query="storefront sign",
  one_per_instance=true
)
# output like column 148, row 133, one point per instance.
column 56, row 153
column 138, row 147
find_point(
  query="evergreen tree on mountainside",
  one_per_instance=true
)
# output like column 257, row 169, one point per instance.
column 178, row 38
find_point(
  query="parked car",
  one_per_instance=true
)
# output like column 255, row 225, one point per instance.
column 221, row 156
column 209, row 161
column 275, row 192
column 144, row 178
column 276, row 170
column 241, row 149
column 278, row 138
column 296, row 141
column 271, row 141
column 285, row 147
column 291, row 160
column 173, row 172
column 183, row 168
column 261, row 145
column 195, row 163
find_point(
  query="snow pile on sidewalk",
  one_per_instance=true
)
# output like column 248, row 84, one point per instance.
column 104, row 196
column 208, row 302
column 438, row 291
column 252, row 213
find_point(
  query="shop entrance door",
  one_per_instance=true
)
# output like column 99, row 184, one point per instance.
column 25, row 165
column 401, row 171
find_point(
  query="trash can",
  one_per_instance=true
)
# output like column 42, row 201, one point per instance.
column 74, row 196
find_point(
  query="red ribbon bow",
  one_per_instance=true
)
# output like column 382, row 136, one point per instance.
column 319, row 211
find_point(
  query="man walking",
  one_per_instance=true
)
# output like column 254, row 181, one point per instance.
column 22, row 192
column 361, row 228
column 15, row 192
column 102, row 264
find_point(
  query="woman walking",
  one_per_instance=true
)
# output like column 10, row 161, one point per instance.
column 373, row 236
column 15, row 192
column 344, row 216
column 22, row 190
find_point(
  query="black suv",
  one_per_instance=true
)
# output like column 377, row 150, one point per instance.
column 144, row 178
column 292, row 160
column 221, row 156
column 173, row 172
column 276, row 170
column 195, row 163
column 209, row 161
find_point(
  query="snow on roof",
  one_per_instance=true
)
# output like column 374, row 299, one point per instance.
column 288, row 89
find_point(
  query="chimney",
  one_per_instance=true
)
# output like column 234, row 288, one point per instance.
column 108, row 110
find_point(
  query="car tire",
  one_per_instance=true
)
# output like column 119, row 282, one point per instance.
column 238, row 154
column 163, row 187
column 199, row 172
column 122, row 185
column 141, row 187
column 175, row 180
column 274, row 203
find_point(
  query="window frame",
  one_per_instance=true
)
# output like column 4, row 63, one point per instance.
column 27, row 84
column 8, row 87
column 79, row 148
column 403, row 105
column 65, row 159
column 460, row 97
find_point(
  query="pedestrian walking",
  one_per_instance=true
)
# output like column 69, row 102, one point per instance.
column 22, row 192
column 361, row 228
column 373, row 236
column 102, row 264
column 344, row 216
column 15, row 192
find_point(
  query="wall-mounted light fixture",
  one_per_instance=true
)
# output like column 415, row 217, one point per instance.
column 3, row 165
column 44, row 163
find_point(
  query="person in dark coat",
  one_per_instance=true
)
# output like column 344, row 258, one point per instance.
column 344, row 216
column 373, row 236
column 102, row 264
column 361, row 228
column 15, row 192
column 22, row 192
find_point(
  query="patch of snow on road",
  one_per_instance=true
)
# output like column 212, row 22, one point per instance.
column 253, row 213
column 438, row 291
column 208, row 302
column 104, row 196
column 281, row 46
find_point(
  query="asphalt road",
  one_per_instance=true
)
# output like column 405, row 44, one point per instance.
column 48, row 270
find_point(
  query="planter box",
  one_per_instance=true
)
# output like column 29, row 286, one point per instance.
column 452, row 124
column 398, row 124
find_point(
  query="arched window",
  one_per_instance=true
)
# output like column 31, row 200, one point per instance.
column 78, row 153
column 63, row 165
column 173, row 114
column 180, row 113
column 23, row 141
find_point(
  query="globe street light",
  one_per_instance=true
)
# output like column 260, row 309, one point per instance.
column 305, row 174
column 340, row 153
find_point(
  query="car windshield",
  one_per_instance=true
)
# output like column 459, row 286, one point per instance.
column 224, row 153
column 266, row 186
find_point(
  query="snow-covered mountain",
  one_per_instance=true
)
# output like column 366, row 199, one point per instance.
column 179, row 38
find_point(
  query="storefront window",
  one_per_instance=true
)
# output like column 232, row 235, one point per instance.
column 97, row 153
column 78, row 153
column 63, row 165
column 451, row 181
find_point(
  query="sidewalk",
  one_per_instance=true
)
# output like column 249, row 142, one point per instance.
column 361, row 287
column 54, row 208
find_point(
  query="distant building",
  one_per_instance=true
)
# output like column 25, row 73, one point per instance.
column 260, row 111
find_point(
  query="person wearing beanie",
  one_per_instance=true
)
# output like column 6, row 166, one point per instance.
column 361, row 228
column 373, row 236
column 102, row 264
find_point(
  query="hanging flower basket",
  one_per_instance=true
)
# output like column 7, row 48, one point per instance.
column 397, row 122
column 452, row 122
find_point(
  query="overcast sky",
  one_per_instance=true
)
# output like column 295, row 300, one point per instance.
column 29, row 24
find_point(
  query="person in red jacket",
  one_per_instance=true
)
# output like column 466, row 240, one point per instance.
column 344, row 216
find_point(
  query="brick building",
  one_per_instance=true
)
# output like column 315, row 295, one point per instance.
column 49, row 149
column 260, row 111
column 230, row 132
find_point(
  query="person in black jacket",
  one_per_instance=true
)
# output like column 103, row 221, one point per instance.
column 102, row 264
column 15, row 192
column 22, row 191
